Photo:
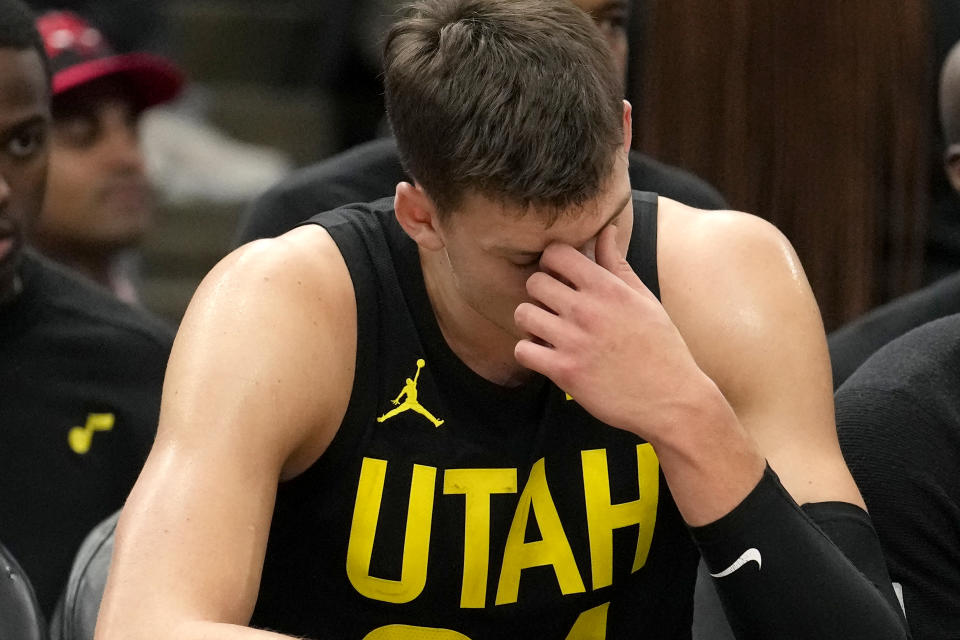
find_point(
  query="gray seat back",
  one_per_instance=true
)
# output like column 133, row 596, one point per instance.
column 76, row 615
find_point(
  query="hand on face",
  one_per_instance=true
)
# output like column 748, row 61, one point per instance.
column 604, row 338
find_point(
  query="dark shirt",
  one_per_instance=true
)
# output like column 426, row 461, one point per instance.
column 80, row 380
column 853, row 343
column 898, row 418
column 372, row 170
column 456, row 441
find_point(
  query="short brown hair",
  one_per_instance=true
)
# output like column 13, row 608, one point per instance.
column 517, row 100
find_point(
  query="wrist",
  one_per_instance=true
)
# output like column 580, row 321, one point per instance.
column 695, row 420
column 709, row 460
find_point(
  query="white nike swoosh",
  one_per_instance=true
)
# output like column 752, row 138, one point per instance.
column 750, row 555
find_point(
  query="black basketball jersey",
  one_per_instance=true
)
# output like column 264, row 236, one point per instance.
column 448, row 507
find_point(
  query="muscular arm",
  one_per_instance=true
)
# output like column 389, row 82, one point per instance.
column 733, row 373
column 271, row 325
column 823, row 573
column 737, row 293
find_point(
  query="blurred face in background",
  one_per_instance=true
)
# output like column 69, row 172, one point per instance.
column 98, row 198
column 24, row 126
column 612, row 17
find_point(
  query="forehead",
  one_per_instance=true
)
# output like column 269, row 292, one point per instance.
column 93, row 96
column 493, row 224
column 23, row 86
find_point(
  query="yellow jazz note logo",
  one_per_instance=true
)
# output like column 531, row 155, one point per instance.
column 409, row 394
column 80, row 438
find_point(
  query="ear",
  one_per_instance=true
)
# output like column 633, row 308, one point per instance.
column 951, row 163
column 417, row 214
column 627, row 126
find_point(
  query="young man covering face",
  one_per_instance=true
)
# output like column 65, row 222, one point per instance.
column 497, row 404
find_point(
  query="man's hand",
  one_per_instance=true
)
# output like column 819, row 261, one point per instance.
column 605, row 339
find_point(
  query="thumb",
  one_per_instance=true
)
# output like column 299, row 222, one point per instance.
column 610, row 258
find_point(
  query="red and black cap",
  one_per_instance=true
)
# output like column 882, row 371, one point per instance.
column 79, row 54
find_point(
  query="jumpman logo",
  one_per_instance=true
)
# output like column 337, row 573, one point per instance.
column 410, row 402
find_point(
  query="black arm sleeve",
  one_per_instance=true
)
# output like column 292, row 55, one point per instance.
column 780, row 576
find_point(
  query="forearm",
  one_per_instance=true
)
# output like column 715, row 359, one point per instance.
column 780, row 576
column 708, row 459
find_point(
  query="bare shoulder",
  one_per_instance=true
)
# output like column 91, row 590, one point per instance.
column 733, row 274
column 279, row 266
column 257, row 383
column 268, row 345
column 734, row 287
column 724, row 243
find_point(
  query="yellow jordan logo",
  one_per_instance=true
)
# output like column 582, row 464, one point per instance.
column 80, row 438
column 410, row 402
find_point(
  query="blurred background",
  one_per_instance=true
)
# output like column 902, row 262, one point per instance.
column 819, row 116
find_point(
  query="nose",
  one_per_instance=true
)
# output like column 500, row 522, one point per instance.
column 120, row 140
column 124, row 148
column 4, row 192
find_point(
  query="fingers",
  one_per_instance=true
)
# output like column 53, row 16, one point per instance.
column 534, row 356
column 610, row 258
column 550, row 292
column 567, row 263
column 539, row 323
column 578, row 266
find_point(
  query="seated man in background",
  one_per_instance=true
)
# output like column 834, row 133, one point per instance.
column 463, row 412
column 371, row 170
column 898, row 417
column 98, row 204
column 80, row 371
column 852, row 344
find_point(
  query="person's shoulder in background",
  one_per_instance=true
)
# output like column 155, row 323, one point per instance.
column 364, row 173
column 852, row 344
column 898, row 423
column 371, row 171
column 649, row 174
column 60, row 296
column 74, row 361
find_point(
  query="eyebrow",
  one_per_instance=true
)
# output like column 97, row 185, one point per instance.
column 613, row 216
column 15, row 127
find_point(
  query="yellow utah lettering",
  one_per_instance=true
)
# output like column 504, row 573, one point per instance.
column 477, row 485
column 416, row 541
column 552, row 549
column 591, row 624
column 603, row 516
